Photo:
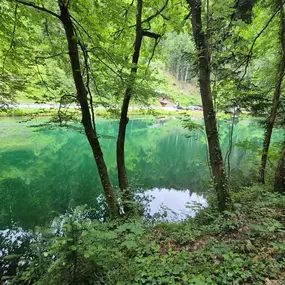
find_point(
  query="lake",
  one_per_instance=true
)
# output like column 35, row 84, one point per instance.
column 45, row 171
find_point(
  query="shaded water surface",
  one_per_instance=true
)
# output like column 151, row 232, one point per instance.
column 43, row 172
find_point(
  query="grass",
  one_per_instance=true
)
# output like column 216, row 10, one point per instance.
column 105, row 113
column 184, row 93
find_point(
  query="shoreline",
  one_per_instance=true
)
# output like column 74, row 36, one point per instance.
column 100, row 112
column 47, row 111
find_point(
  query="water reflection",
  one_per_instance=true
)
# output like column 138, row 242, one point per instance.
column 174, row 205
column 45, row 172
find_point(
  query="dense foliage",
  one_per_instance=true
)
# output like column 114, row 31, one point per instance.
column 81, row 56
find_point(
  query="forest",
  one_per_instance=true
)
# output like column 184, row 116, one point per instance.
column 142, row 142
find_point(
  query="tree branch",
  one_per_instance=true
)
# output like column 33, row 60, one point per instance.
column 42, row 79
column 51, row 56
column 60, row 106
column 256, row 38
column 164, row 17
column 151, row 35
column 147, row 20
column 12, row 40
column 77, row 25
column 187, row 16
column 85, row 56
column 157, row 13
column 108, row 66
column 127, row 10
column 118, row 33
column 152, row 54
column 30, row 4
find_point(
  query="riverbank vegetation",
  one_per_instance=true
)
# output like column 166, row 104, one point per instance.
column 244, row 246
column 106, row 113
column 225, row 56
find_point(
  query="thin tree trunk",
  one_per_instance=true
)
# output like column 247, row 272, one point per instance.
column 276, row 98
column 90, row 131
column 178, row 69
column 216, row 160
column 122, row 173
column 279, row 184
column 186, row 74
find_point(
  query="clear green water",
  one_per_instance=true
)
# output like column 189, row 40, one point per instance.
column 45, row 171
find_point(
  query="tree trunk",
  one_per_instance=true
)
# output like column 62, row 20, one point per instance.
column 216, row 160
column 90, row 131
column 276, row 98
column 186, row 74
column 279, row 184
column 178, row 69
column 122, row 173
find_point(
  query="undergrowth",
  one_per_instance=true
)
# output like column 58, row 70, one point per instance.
column 246, row 246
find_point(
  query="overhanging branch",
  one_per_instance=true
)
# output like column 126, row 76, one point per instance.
column 157, row 13
column 30, row 4
column 151, row 35
column 249, row 55
column 147, row 20
column 12, row 40
column 152, row 54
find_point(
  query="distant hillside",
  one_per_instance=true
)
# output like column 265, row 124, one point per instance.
column 183, row 93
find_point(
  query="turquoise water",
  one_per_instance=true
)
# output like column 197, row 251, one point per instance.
column 44, row 171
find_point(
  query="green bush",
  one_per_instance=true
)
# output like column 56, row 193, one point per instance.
column 245, row 246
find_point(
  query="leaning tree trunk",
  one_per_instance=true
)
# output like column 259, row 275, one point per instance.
column 122, row 173
column 216, row 159
column 276, row 98
column 90, row 131
column 279, row 184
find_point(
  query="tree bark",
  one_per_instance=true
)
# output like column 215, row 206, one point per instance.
column 122, row 173
column 275, row 102
column 279, row 183
column 90, row 130
column 216, row 159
